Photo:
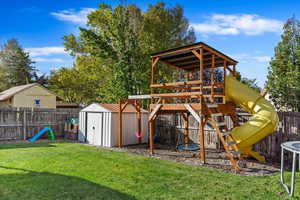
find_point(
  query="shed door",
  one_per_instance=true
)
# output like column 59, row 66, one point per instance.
column 94, row 133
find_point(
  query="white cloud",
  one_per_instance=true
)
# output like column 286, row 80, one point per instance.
column 54, row 68
column 247, row 24
column 52, row 60
column 76, row 17
column 248, row 58
column 46, row 51
column 39, row 73
column 263, row 58
column 241, row 58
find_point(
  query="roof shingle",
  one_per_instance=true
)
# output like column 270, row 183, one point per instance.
column 115, row 107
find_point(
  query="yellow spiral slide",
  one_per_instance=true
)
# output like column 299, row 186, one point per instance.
column 264, row 118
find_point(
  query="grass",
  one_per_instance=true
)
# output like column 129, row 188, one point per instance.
column 76, row 171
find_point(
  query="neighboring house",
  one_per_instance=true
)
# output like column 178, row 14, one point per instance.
column 30, row 95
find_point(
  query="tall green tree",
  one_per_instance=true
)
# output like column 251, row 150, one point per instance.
column 283, row 79
column 81, row 83
column 252, row 83
column 122, row 37
column 4, row 84
column 16, row 64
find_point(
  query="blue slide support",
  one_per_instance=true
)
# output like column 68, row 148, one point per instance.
column 39, row 134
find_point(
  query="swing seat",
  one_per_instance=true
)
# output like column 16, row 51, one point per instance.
column 139, row 135
column 188, row 147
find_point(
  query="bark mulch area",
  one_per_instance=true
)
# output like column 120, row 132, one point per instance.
column 215, row 159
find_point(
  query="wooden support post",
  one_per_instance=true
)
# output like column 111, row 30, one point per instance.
column 120, row 125
column 225, row 67
column 153, row 66
column 201, row 141
column 212, row 78
column 186, row 127
column 139, row 121
column 201, row 124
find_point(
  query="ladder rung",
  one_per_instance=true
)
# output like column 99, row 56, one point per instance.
column 217, row 114
column 231, row 143
column 226, row 133
column 236, row 153
column 221, row 124
column 212, row 105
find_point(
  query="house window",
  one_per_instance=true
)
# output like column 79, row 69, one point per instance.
column 37, row 102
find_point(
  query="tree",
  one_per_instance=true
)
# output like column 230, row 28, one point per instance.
column 121, row 38
column 81, row 83
column 252, row 83
column 4, row 84
column 42, row 79
column 16, row 63
column 283, row 79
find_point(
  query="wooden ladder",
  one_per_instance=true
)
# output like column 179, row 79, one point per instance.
column 218, row 123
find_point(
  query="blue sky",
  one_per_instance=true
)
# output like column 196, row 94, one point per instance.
column 246, row 30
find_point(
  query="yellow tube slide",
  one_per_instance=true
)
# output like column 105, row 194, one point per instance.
column 264, row 118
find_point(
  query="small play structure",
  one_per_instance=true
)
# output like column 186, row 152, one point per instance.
column 98, row 125
column 71, row 129
column 47, row 129
column 208, row 90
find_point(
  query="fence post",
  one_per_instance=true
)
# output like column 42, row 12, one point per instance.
column 24, row 124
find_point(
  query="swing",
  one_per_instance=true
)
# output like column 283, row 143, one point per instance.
column 139, row 134
column 190, row 146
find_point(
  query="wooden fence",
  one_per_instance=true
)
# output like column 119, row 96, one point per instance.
column 22, row 123
column 170, row 130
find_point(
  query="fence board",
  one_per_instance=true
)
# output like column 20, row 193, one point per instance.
column 170, row 131
column 23, row 123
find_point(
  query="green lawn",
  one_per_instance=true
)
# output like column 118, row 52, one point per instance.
column 76, row 171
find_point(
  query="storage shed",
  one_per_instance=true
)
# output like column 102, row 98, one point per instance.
column 98, row 125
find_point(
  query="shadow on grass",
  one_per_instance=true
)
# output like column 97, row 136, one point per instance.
column 25, row 184
column 25, row 145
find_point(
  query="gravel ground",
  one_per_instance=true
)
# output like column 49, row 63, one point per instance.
column 215, row 159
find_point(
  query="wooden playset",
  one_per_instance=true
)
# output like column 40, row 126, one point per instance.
column 201, row 93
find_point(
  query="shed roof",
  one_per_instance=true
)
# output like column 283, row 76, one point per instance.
column 111, row 107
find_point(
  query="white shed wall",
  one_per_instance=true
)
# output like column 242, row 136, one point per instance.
column 129, row 128
column 82, row 131
column 106, row 125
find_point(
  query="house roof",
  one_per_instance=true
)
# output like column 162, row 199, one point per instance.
column 14, row 90
column 115, row 107
column 67, row 105
column 6, row 94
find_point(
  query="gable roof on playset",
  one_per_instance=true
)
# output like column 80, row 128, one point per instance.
column 110, row 107
column 184, row 58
